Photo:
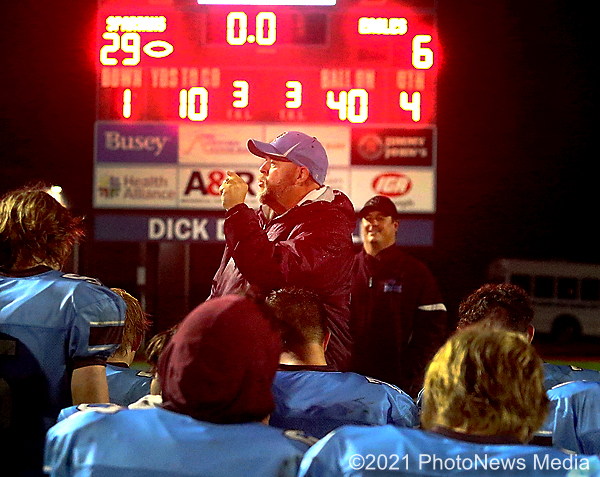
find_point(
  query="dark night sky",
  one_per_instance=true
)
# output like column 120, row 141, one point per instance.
column 515, row 167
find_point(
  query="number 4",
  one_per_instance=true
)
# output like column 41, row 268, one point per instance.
column 414, row 105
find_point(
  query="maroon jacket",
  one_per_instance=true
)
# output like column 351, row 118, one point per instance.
column 309, row 246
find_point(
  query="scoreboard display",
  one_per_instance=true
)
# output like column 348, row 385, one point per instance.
column 181, row 86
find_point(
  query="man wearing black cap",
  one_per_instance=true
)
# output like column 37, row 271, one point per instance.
column 301, row 235
column 398, row 318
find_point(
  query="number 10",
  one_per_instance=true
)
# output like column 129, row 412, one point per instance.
column 187, row 103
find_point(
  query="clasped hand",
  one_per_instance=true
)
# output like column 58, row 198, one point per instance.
column 233, row 190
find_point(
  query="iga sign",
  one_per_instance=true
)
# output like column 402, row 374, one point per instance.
column 411, row 189
column 392, row 184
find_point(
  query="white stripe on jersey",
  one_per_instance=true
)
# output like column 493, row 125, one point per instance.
column 101, row 324
column 101, row 347
column 434, row 307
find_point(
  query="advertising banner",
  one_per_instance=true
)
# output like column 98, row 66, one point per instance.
column 181, row 166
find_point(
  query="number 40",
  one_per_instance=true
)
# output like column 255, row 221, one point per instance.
column 347, row 103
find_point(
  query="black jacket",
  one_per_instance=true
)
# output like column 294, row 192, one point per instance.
column 398, row 320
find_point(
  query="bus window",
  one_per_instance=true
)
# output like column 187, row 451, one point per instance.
column 544, row 287
column 523, row 281
column 590, row 289
column 567, row 288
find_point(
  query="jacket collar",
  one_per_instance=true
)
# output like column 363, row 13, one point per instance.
column 322, row 194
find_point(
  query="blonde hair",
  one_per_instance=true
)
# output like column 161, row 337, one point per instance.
column 35, row 228
column 136, row 323
column 486, row 381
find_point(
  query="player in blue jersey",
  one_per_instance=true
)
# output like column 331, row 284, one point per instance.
column 563, row 373
column 216, row 374
column 153, row 398
column 483, row 400
column 574, row 417
column 70, row 324
column 509, row 306
column 309, row 395
column 127, row 385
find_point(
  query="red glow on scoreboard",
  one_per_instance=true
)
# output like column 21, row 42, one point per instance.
column 344, row 65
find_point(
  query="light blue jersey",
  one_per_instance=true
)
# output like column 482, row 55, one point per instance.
column 127, row 385
column 155, row 442
column 318, row 402
column 574, row 417
column 395, row 451
column 65, row 321
column 563, row 373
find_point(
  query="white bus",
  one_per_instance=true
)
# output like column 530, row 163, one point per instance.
column 565, row 295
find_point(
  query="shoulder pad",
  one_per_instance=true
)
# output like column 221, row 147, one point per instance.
column 300, row 436
column 74, row 276
column 144, row 374
column 102, row 408
column 377, row 381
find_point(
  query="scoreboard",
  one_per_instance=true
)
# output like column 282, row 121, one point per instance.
column 182, row 85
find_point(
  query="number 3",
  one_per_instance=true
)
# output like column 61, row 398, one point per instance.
column 242, row 94
column 294, row 94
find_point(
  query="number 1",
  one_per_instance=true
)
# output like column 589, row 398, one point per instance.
column 127, row 103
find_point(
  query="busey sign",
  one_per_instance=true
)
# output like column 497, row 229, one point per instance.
column 138, row 143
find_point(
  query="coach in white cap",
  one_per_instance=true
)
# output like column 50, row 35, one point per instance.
column 300, row 236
